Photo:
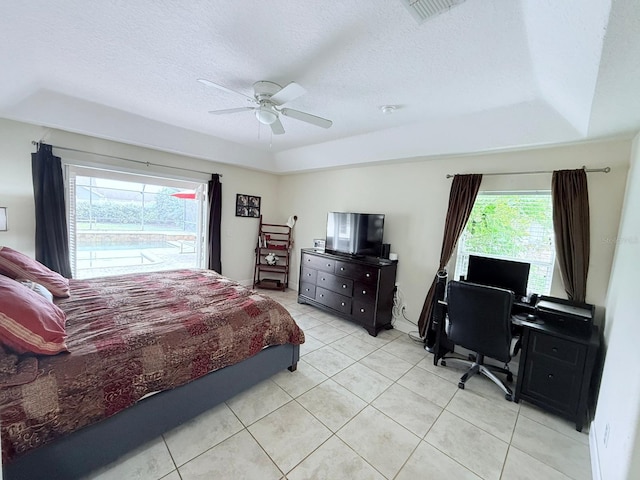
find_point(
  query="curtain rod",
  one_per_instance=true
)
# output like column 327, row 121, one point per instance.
column 588, row 170
column 33, row 142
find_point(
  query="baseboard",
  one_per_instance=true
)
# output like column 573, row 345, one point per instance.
column 593, row 452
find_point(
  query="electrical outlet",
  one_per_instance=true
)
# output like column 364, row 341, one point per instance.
column 605, row 440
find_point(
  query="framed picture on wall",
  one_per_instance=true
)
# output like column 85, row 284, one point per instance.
column 3, row 219
column 247, row 205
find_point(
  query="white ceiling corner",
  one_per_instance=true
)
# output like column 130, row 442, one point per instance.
column 485, row 75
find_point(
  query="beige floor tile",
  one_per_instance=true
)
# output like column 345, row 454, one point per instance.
column 428, row 462
column 559, row 424
column 332, row 461
column 303, row 379
column 409, row 409
column 451, row 372
column 151, row 461
column 490, row 416
column 239, row 457
column 172, row 476
column 202, row 433
column 383, row 337
column 483, row 386
column 310, row 344
column 353, row 347
column 406, row 349
column 430, row 386
column 289, row 434
column 325, row 333
column 258, row 401
column 468, row 445
column 520, row 466
column 345, row 325
column 386, row 364
column 328, row 360
column 363, row 381
column 332, row 404
column 379, row 440
column 559, row 451
column 306, row 321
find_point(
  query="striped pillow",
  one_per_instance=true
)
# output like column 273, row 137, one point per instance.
column 14, row 264
column 29, row 323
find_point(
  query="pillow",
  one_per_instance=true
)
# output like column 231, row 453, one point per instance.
column 14, row 264
column 28, row 322
column 36, row 287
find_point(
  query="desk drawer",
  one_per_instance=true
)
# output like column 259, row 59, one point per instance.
column 307, row 290
column 318, row 263
column 356, row 271
column 555, row 384
column 333, row 300
column 309, row 275
column 343, row 286
column 557, row 348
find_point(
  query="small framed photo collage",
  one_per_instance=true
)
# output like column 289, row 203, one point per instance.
column 247, row 205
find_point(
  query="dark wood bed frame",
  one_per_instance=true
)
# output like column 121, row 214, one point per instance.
column 95, row 446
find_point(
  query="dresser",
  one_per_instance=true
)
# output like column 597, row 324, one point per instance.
column 358, row 289
column 556, row 366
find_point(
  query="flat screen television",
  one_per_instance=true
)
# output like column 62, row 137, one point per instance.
column 496, row 272
column 357, row 234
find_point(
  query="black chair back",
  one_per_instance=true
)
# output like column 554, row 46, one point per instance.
column 480, row 318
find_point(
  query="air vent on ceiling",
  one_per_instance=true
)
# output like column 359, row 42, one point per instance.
column 421, row 10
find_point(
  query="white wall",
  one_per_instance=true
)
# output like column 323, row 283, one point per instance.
column 616, row 427
column 16, row 189
column 414, row 196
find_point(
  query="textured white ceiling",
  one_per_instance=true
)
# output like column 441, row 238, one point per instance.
column 488, row 74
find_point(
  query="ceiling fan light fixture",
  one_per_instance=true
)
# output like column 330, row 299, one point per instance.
column 266, row 115
column 388, row 109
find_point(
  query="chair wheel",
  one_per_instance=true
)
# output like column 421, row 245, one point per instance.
column 461, row 385
column 443, row 363
column 509, row 377
column 509, row 397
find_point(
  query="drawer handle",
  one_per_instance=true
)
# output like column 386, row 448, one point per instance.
column 308, row 274
column 308, row 259
column 554, row 349
column 364, row 292
column 550, row 376
column 344, row 286
column 307, row 289
column 362, row 310
column 342, row 303
column 323, row 279
column 368, row 275
column 328, row 264
column 342, row 269
column 321, row 295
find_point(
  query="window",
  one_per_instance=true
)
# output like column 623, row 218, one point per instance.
column 124, row 223
column 512, row 226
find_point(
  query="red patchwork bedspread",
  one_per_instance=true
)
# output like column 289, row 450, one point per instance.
column 132, row 335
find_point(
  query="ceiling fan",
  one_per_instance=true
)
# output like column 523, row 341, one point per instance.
column 267, row 100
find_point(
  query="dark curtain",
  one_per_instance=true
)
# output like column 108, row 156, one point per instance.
column 462, row 196
column 571, row 226
column 215, row 220
column 52, row 240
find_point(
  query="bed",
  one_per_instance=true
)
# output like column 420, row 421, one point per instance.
column 146, row 352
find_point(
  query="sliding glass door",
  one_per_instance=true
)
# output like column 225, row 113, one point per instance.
column 124, row 223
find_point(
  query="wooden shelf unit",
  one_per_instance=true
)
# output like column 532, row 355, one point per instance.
column 272, row 239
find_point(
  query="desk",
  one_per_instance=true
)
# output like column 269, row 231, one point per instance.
column 556, row 363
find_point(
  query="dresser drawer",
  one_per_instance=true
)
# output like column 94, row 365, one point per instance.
column 307, row 289
column 318, row 263
column 308, row 275
column 364, row 292
column 553, row 383
column 358, row 272
column 557, row 348
column 363, row 312
column 333, row 300
column 341, row 285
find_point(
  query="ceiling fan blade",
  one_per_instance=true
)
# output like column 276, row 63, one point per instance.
column 307, row 117
column 230, row 110
column 277, row 128
column 209, row 83
column 288, row 93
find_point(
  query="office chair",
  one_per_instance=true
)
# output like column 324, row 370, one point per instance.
column 480, row 321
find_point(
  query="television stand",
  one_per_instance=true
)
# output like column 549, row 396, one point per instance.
column 358, row 289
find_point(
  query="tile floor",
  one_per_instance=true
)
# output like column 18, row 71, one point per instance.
column 362, row 407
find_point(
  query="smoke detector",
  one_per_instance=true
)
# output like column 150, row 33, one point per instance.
column 422, row 10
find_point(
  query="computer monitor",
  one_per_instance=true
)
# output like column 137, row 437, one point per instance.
column 495, row 272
